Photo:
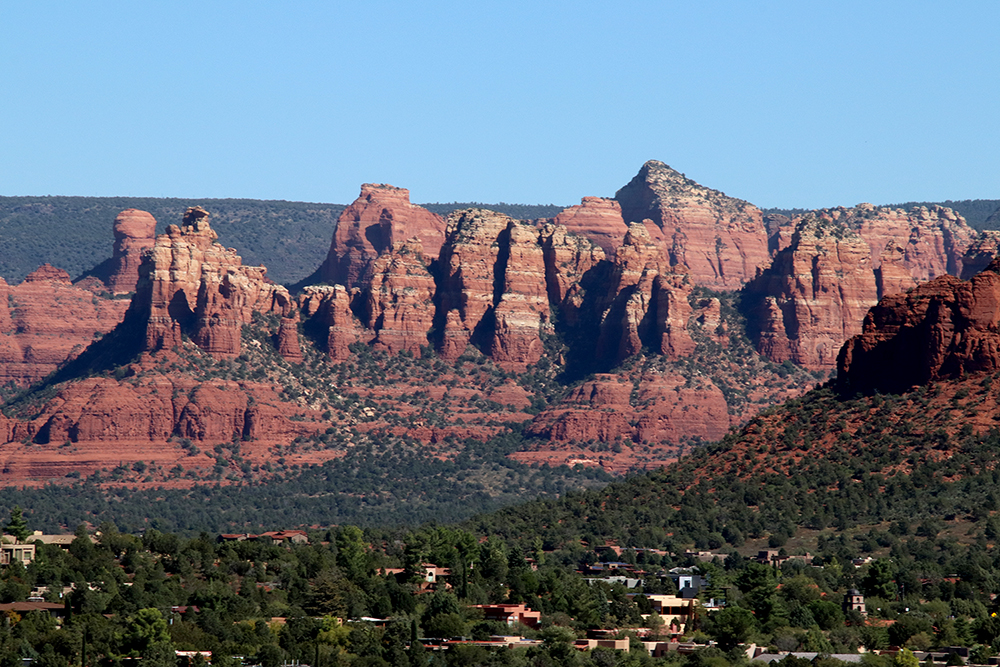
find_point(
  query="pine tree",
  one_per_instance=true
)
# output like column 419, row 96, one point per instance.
column 17, row 526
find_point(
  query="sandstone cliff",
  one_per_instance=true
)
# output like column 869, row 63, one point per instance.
column 644, row 305
column 941, row 329
column 192, row 285
column 813, row 296
column 598, row 219
column 399, row 302
column 720, row 240
column 934, row 240
column 980, row 252
column 381, row 216
column 493, row 289
column 134, row 232
column 46, row 321
column 651, row 409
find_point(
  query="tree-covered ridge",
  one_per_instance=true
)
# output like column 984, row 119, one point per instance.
column 74, row 233
column 975, row 211
column 818, row 461
column 516, row 211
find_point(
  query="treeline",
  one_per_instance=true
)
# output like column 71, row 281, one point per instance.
column 975, row 211
column 516, row 211
column 290, row 238
column 782, row 474
column 385, row 483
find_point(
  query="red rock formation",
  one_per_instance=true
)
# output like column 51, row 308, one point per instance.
column 469, row 259
column 381, row 216
column 135, row 231
column 655, row 409
column 330, row 305
column 892, row 277
column 814, row 296
column 102, row 410
column 569, row 259
column 720, row 240
column 941, row 329
column 46, row 321
column 598, row 219
column 196, row 286
column 643, row 305
column 288, row 340
column 522, row 311
column 399, row 303
column 981, row 252
column 934, row 240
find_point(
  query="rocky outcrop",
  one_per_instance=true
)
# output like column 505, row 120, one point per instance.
column 380, row 217
column 330, row 308
column 934, row 240
column 654, row 409
column 135, row 232
column 598, row 219
column 941, row 329
column 493, row 290
column 192, row 285
column 399, row 303
column 469, row 261
column 106, row 411
column 814, row 295
column 645, row 306
column 981, row 252
column 573, row 268
column 719, row 240
column 288, row 340
column 46, row 321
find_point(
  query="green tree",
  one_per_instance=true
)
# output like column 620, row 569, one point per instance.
column 18, row 525
column 905, row 658
column 732, row 626
column 147, row 633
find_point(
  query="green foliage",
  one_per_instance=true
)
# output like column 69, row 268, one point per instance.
column 18, row 525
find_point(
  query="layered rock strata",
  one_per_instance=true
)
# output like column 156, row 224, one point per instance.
column 399, row 302
column 46, row 321
column 653, row 409
column 135, row 232
column 719, row 240
column 941, row 329
column 646, row 306
column 814, row 295
column 381, row 216
column 192, row 285
column 934, row 239
column 493, row 290
column 598, row 219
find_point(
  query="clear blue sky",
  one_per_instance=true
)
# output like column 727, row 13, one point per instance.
column 781, row 103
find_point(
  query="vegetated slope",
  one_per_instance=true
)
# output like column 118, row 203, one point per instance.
column 930, row 452
column 817, row 461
